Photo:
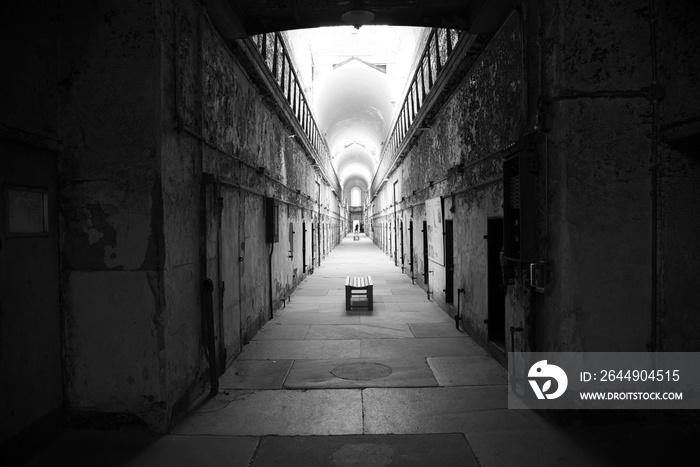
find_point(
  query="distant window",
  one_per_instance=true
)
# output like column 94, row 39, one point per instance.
column 355, row 197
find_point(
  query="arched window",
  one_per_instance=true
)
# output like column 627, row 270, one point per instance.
column 355, row 197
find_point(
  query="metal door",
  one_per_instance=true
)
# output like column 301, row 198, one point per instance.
column 449, row 262
column 230, row 264
column 426, row 265
column 496, row 304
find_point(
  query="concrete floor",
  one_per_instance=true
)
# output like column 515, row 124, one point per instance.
column 398, row 385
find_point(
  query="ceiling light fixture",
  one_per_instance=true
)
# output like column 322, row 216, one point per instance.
column 358, row 18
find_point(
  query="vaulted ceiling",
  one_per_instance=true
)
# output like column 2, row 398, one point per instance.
column 354, row 108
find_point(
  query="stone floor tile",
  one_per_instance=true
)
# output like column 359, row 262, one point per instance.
column 283, row 412
column 428, row 347
column 359, row 331
column 369, row 451
column 255, row 374
column 315, row 317
column 547, row 448
column 435, row 330
column 276, row 330
column 428, row 410
column 307, row 349
column 137, row 449
column 478, row 370
column 408, row 318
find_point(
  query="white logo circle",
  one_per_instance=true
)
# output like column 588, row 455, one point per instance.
column 542, row 370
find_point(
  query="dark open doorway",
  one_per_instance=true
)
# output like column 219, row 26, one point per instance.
column 303, row 245
column 449, row 262
column 496, row 307
column 318, row 243
column 313, row 245
column 410, row 246
column 403, row 260
column 426, row 269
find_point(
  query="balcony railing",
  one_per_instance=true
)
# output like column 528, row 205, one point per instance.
column 438, row 50
column 274, row 53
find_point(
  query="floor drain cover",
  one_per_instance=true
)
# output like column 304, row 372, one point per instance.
column 361, row 371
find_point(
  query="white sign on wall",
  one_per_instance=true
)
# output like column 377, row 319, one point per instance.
column 433, row 212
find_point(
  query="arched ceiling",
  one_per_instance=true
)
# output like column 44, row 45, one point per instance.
column 354, row 110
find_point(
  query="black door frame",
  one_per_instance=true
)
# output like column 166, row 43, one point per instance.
column 496, row 297
column 449, row 261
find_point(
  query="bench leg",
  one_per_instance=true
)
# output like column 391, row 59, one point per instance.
column 348, row 297
column 370, row 298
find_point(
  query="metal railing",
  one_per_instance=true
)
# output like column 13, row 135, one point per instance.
column 274, row 53
column 438, row 50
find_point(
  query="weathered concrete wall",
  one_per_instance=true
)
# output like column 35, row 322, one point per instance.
column 629, row 95
column 600, row 213
column 679, row 171
column 181, row 168
column 600, row 228
column 111, row 211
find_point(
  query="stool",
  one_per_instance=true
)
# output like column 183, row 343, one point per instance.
column 355, row 286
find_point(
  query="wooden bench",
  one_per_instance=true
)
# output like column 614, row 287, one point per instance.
column 355, row 286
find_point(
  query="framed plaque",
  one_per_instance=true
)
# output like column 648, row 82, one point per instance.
column 26, row 211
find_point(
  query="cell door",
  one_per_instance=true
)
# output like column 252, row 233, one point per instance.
column 496, row 306
column 410, row 245
column 403, row 262
column 303, row 246
column 387, row 238
column 254, row 265
column 449, row 262
column 313, row 245
column 396, row 239
column 229, row 271
column 318, row 243
column 426, row 265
